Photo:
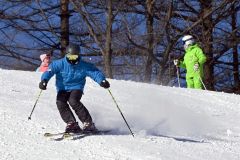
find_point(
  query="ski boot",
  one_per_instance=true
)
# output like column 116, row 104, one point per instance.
column 73, row 127
column 89, row 127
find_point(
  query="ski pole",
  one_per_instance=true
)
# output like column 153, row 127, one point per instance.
column 200, row 78
column 29, row 118
column 202, row 82
column 178, row 77
column 120, row 112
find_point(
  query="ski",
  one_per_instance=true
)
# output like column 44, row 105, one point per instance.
column 73, row 136
column 47, row 134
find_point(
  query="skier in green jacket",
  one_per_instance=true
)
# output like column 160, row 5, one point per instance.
column 193, row 61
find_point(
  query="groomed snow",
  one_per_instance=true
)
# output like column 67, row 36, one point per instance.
column 169, row 123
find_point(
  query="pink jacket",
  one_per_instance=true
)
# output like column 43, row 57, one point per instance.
column 45, row 63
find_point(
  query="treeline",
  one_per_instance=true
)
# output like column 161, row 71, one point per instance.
column 129, row 39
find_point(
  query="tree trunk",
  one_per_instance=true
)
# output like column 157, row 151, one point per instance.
column 235, row 51
column 64, row 14
column 108, row 46
column 150, row 40
column 207, row 40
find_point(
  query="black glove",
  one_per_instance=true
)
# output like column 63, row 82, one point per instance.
column 43, row 85
column 105, row 84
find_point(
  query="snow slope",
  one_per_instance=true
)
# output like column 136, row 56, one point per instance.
column 169, row 123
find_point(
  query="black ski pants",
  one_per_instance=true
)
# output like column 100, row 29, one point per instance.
column 72, row 98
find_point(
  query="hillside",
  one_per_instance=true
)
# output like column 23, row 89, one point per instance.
column 169, row 123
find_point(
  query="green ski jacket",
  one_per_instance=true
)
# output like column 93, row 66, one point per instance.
column 194, row 55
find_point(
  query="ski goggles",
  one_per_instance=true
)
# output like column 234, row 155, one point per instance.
column 72, row 57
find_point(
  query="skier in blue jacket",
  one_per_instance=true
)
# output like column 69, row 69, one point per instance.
column 71, row 73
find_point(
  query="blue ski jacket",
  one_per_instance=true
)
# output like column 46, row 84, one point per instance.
column 72, row 77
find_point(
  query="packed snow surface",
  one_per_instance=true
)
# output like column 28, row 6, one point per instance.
column 169, row 123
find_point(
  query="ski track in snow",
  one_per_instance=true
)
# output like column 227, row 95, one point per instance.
column 168, row 122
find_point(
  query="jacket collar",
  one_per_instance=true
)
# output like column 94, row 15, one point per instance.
column 191, row 47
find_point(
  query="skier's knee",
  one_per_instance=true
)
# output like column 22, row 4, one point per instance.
column 61, row 105
column 74, row 102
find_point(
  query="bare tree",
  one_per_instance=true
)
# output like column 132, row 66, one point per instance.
column 64, row 14
column 101, row 35
column 235, row 49
column 150, row 39
column 108, row 45
column 207, row 39
column 129, row 39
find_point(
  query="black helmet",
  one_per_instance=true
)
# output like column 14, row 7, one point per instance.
column 73, row 49
column 72, row 53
